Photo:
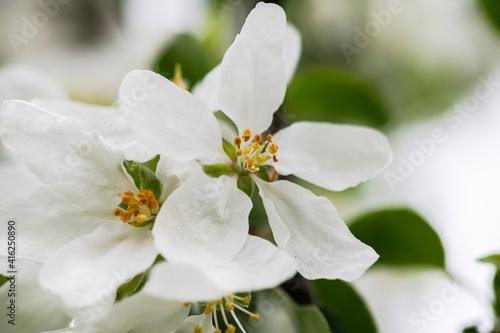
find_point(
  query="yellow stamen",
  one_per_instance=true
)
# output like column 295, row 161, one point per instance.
column 257, row 138
column 229, row 307
column 275, row 159
column 198, row 329
column 269, row 138
column 230, row 298
column 218, row 330
column 254, row 317
column 273, row 149
column 143, row 209
column 141, row 217
column 178, row 77
column 246, row 300
column 231, row 329
column 246, row 135
column 186, row 304
column 255, row 145
column 239, row 152
column 237, row 141
column 247, row 150
column 209, row 308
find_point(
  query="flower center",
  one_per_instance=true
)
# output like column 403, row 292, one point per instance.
column 252, row 155
column 229, row 303
column 143, row 210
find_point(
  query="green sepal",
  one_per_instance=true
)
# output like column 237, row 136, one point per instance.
column 263, row 173
column 217, row 170
column 123, row 206
column 245, row 183
column 229, row 148
column 492, row 259
column 144, row 178
column 129, row 287
column 152, row 164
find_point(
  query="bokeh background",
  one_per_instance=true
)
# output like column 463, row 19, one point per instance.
column 425, row 72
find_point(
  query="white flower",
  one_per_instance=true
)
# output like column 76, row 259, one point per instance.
column 73, row 224
column 253, row 79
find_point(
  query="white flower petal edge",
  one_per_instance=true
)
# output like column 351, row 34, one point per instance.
column 192, row 321
column 143, row 313
column 59, row 149
column 204, row 221
column 47, row 221
column 172, row 174
column 259, row 265
column 291, row 50
column 86, row 273
column 36, row 310
column 310, row 229
column 331, row 156
column 253, row 80
column 208, row 89
column 169, row 119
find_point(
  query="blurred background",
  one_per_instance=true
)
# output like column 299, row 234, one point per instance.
column 424, row 72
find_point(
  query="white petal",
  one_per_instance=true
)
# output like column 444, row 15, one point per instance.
column 291, row 51
column 169, row 119
column 259, row 265
column 144, row 313
column 192, row 321
column 44, row 222
column 228, row 130
column 172, row 174
column 109, row 122
column 205, row 221
column 86, row 273
column 60, row 149
column 208, row 89
column 21, row 82
column 36, row 310
column 253, row 80
column 311, row 230
column 331, row 156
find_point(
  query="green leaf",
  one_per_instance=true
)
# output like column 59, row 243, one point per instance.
column 309, row 318
column 492, row 259
column 344, row 302
column 190, row 53
column 491, row 8
column 245, row 183
column 143, row 177
column 495, row 260
column 152, row 164
column 471, row 329
column 334, row 96
column 3, row 280
column 217, row 170
column 400, row 237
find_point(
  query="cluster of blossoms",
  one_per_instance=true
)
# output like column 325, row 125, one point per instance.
column 145, row 228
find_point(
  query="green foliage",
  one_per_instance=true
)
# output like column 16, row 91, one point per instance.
column 343, row 307
column 217, row 170
column 190, row 53
column 309, row 318
column 492, row 10
column 245, row 183
column 143, row 177
column 495, row 260
column 229, row 149
column 129, row 287
column 400, row 237
column 335, row 96
column 3, row 279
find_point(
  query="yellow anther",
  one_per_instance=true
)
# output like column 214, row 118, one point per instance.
column 255, row 145
column 247, row 150
column 219, row 301
column 186, row 304
column 117, row 212
column 231, row 329
column 237, row 141
column 249, row 162
column 229, row 307
column 141, row 217
column 178, row 77
column 246, row 300
column 254, row 168
column 239, row 152
column 143, row 209
column 254, row 317
column 230, row 297
column 246, row 135
column 257, row 138
column 218, row 330
column 260, row 159
column 208, row 309
column 269, row 138
column 198, row 329
column 273, row 149
column 275, row 159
